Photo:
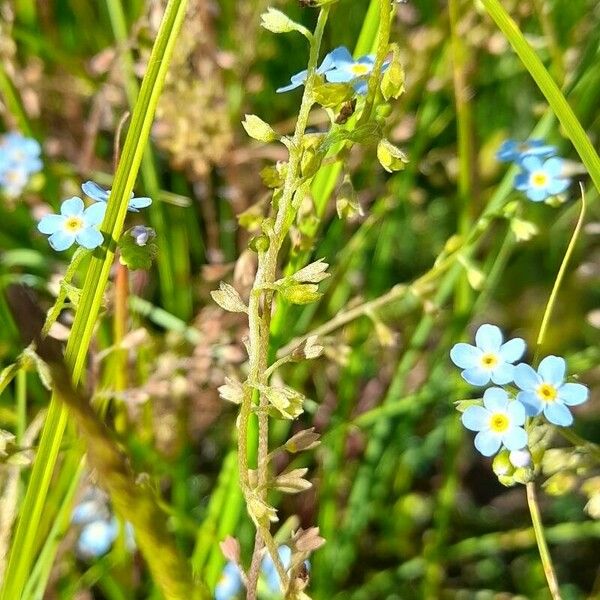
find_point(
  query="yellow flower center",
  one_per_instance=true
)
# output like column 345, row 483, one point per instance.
column 523, row 147
column 539, row 179
column 360, row 69
column 13, row 176
column 489, row 360
column 73, row 224
column 547, row 392
column 499, row 422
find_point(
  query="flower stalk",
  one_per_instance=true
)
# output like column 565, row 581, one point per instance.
column 259, row 320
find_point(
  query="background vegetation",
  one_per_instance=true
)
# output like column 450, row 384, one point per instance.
column 406, row 505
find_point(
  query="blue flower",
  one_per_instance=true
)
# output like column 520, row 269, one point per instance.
column 99, row 194
column 74, row 224
column 346, row 70
column 499, row 422
column 490, row 359
column 96, row 538
column 19, row 158
column 513, row 151
column 541, row 179
column 142, row 234
column 269, row 570
column 329, row 62
column 17, row 150
column 88, row 511
column 13, row 180
column 230, row 583
column 545, row 390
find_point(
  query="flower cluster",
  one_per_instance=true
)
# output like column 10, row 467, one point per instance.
column 230, row 584
column 99, row 528
column 542, row 172
column 500, row 420
column 339, row 67
column 19, row 159
column 79, row 224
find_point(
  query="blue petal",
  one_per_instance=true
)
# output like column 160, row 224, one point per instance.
column 137, row 203
column 61, row 240
column 95, row 213
column 488, row 338
column 515, row 438
column 341, row 55
column 50, row 223
column 94, row 191
column 537, row 194
column 296, row 81
column 361, row 87
column 525, row 377
column 367, row 59
column 72, row 207
column 487, row 443
column 513, row 350
column 339, row 76
column 476, row 376
column 532, row 404
column 516, row 410
column 558, row 414
column 89, row 238
column 553, row 166
column 476, row 418
column 573, row 394
column 558, row 185
column 521, row 181
column 503, row 373
column 495, row 399
column 552, row 370
column 531, row 163
column 465, row 356
column 97, row 538
column 230, row 583
column 86, row 512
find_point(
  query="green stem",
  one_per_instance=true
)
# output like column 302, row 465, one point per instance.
column 150, row 177
column 540, row 539
column 559, row 278
column 259, row 316
column 21, row 394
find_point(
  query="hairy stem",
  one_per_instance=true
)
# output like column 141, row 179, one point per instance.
column 259, row 319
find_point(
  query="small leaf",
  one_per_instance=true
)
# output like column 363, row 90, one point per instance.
column 229, row 299
column 259, row 130
column 391, row 158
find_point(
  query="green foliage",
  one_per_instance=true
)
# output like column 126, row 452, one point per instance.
column 304, row 288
